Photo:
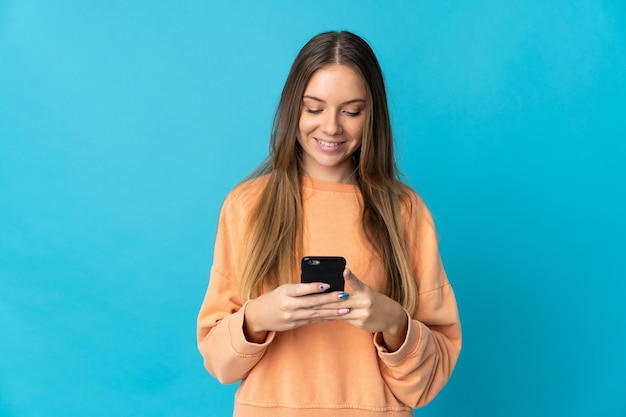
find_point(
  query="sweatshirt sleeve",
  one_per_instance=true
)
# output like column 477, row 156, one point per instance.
column 228, row 355
column 421, row 367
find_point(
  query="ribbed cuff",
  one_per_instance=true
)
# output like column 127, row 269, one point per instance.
column 409, row 346
column 241, row 345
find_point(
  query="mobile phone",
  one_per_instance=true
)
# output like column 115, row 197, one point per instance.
column 327, row 269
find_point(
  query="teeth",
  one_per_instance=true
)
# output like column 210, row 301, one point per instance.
column 327, row 143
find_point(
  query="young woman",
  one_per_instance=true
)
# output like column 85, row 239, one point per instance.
column 330, row 186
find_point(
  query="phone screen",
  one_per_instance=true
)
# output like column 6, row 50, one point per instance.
column 326, row 269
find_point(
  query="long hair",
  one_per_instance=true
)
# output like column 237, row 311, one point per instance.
column 273, row 244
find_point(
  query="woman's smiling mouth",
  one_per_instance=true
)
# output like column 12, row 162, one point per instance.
column 328, row 144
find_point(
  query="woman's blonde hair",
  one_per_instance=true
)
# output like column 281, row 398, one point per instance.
column 273, row 245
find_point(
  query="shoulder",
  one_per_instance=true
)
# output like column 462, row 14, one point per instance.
column 413, row 205
column 242, row 199
column 247, row 192
column 417, row 220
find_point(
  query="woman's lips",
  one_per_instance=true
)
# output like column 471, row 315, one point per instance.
column 327, row 145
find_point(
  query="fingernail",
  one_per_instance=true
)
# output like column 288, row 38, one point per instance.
column 343, row 295
column 324, row 287
column 343, row 311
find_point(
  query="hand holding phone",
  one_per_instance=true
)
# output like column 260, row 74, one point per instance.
column 326, row 269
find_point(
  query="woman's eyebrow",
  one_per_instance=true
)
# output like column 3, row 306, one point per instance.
column 354, row 100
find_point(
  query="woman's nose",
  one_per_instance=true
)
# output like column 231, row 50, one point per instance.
column 331, row 124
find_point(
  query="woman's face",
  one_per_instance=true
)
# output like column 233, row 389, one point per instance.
column 334, row 111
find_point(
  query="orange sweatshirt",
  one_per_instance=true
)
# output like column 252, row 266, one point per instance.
column 330, row 368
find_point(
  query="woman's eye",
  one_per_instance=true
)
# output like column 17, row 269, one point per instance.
column 312, row 111
column 352, row 113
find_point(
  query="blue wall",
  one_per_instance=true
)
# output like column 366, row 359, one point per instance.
column 123, row 125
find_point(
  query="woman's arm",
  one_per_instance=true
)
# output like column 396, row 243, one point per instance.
column 423, row 364
column 227, row 354
column 416, row 354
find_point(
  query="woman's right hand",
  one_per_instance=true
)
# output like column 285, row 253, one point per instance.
column 287, row 307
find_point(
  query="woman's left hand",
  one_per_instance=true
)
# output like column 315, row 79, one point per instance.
column 372, row 311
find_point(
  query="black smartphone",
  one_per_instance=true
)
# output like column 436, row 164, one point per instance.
column 327, row 269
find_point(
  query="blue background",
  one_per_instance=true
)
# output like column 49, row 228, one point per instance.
column 124, row 124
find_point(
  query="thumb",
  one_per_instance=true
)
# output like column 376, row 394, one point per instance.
column 352, row 280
